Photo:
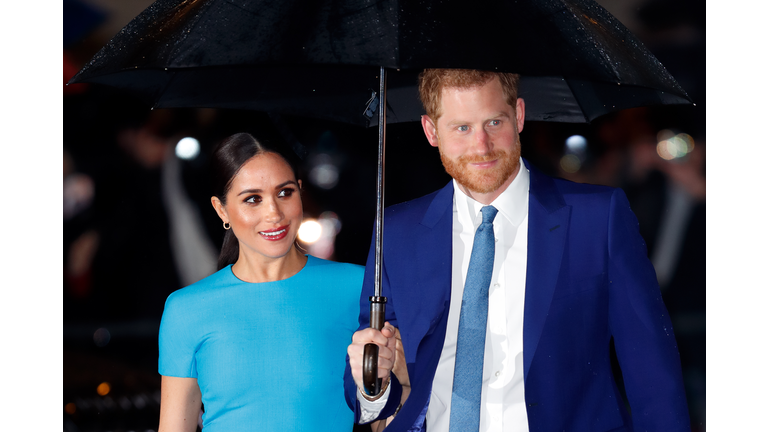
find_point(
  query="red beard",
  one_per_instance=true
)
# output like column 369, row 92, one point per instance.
column 490, row 179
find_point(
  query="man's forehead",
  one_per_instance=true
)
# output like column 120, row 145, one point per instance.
column 457, row 97
column 456, row 85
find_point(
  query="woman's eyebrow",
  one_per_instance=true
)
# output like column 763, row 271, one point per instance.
column 283, row 184
column 286, row 183
column 247, row 191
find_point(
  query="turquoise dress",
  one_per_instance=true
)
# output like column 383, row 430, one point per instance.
column 267, row 356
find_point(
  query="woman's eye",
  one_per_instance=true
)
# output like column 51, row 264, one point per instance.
column 253, row 199
column 285, row 193
column 463, row 128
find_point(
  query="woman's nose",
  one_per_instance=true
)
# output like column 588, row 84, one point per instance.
column 274, row 213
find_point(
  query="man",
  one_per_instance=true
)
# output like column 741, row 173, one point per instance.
column 569, row 273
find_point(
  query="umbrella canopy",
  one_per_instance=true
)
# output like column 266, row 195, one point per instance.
column 321, row 58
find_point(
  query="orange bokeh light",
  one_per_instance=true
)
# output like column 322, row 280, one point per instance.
column 70, row 408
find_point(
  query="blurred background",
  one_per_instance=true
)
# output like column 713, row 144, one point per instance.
column 138, row 224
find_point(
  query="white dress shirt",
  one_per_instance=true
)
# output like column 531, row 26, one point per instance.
column 503, row 395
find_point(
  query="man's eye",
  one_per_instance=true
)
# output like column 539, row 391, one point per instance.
column 495, row 122
column 463, row 128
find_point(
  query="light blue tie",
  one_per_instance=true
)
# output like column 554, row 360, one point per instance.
column 470, row 344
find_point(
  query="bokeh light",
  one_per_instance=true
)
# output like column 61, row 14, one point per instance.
column 140, row 401
column 689, row 143
column 70, row 408
column 324, row 173
column 187, row 148
column 103, row 389
column 101, row 337
column 672, row 146
column 331, row 219
column 109, row 403
column 310, row 231
column 324, row 245
column 124, row 403
column 570, row 163
column 576, row 144
column 664, row 134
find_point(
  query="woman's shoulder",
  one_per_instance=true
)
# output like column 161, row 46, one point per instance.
column 320, row 264
column 340, row 284
column 338, row 272
column 203, row 287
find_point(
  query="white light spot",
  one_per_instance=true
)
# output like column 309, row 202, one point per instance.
column 310, row 231
column 326, row 176
column 187, row 148
column 576, row 144
column 333, row 220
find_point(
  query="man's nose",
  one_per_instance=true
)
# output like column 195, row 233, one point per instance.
column 482, row 142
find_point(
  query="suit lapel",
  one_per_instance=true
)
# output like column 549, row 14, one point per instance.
column 548, row 224
column 426, row 270
column 442, row 203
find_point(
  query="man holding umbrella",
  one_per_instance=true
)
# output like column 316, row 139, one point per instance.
column 507, row 286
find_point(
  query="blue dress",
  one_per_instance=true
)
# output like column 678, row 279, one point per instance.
column 267, row 356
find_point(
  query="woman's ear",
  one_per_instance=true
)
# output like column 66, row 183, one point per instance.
column 220, row 210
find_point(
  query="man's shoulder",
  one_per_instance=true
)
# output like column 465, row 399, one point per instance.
column 417, row 207
column 568, row 189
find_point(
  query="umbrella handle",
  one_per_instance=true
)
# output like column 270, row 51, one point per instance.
column 371, row 381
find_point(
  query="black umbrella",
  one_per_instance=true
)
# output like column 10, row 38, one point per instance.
column 322, row 58
column 332, row 59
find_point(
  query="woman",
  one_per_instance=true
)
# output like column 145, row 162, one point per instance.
column 262, row 342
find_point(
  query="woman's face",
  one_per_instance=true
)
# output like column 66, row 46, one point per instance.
column 264, row 206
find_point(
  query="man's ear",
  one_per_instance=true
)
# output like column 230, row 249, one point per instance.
column 430, row 130
column 219, row 207
column 520, row 114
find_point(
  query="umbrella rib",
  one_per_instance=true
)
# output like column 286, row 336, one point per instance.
column 587, row 119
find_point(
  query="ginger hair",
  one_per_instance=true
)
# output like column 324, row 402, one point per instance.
column 433, row 81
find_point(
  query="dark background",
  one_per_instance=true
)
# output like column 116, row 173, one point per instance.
column 119, row 258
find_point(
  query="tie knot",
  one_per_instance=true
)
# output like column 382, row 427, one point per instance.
column 489, row 213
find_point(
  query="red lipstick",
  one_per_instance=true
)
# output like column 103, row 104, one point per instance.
column 274, row 234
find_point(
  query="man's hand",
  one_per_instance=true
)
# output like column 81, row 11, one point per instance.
column 400, row 370
column 386, row 341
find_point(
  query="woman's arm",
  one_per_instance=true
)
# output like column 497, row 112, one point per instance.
column 179, row 404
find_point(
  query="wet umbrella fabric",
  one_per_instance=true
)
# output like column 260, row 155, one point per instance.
column 322, row 58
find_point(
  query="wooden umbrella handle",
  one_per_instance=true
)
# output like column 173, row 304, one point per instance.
column 371, row 381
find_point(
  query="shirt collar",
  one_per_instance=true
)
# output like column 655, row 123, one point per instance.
column 512, row 203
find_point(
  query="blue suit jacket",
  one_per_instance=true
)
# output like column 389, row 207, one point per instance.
column 588, row 280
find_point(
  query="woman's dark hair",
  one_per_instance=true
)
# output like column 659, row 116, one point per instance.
column 228, row 157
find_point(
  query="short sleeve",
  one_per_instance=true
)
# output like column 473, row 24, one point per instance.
column 177, row 340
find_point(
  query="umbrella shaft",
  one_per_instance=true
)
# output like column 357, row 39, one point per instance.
column 380, row 179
